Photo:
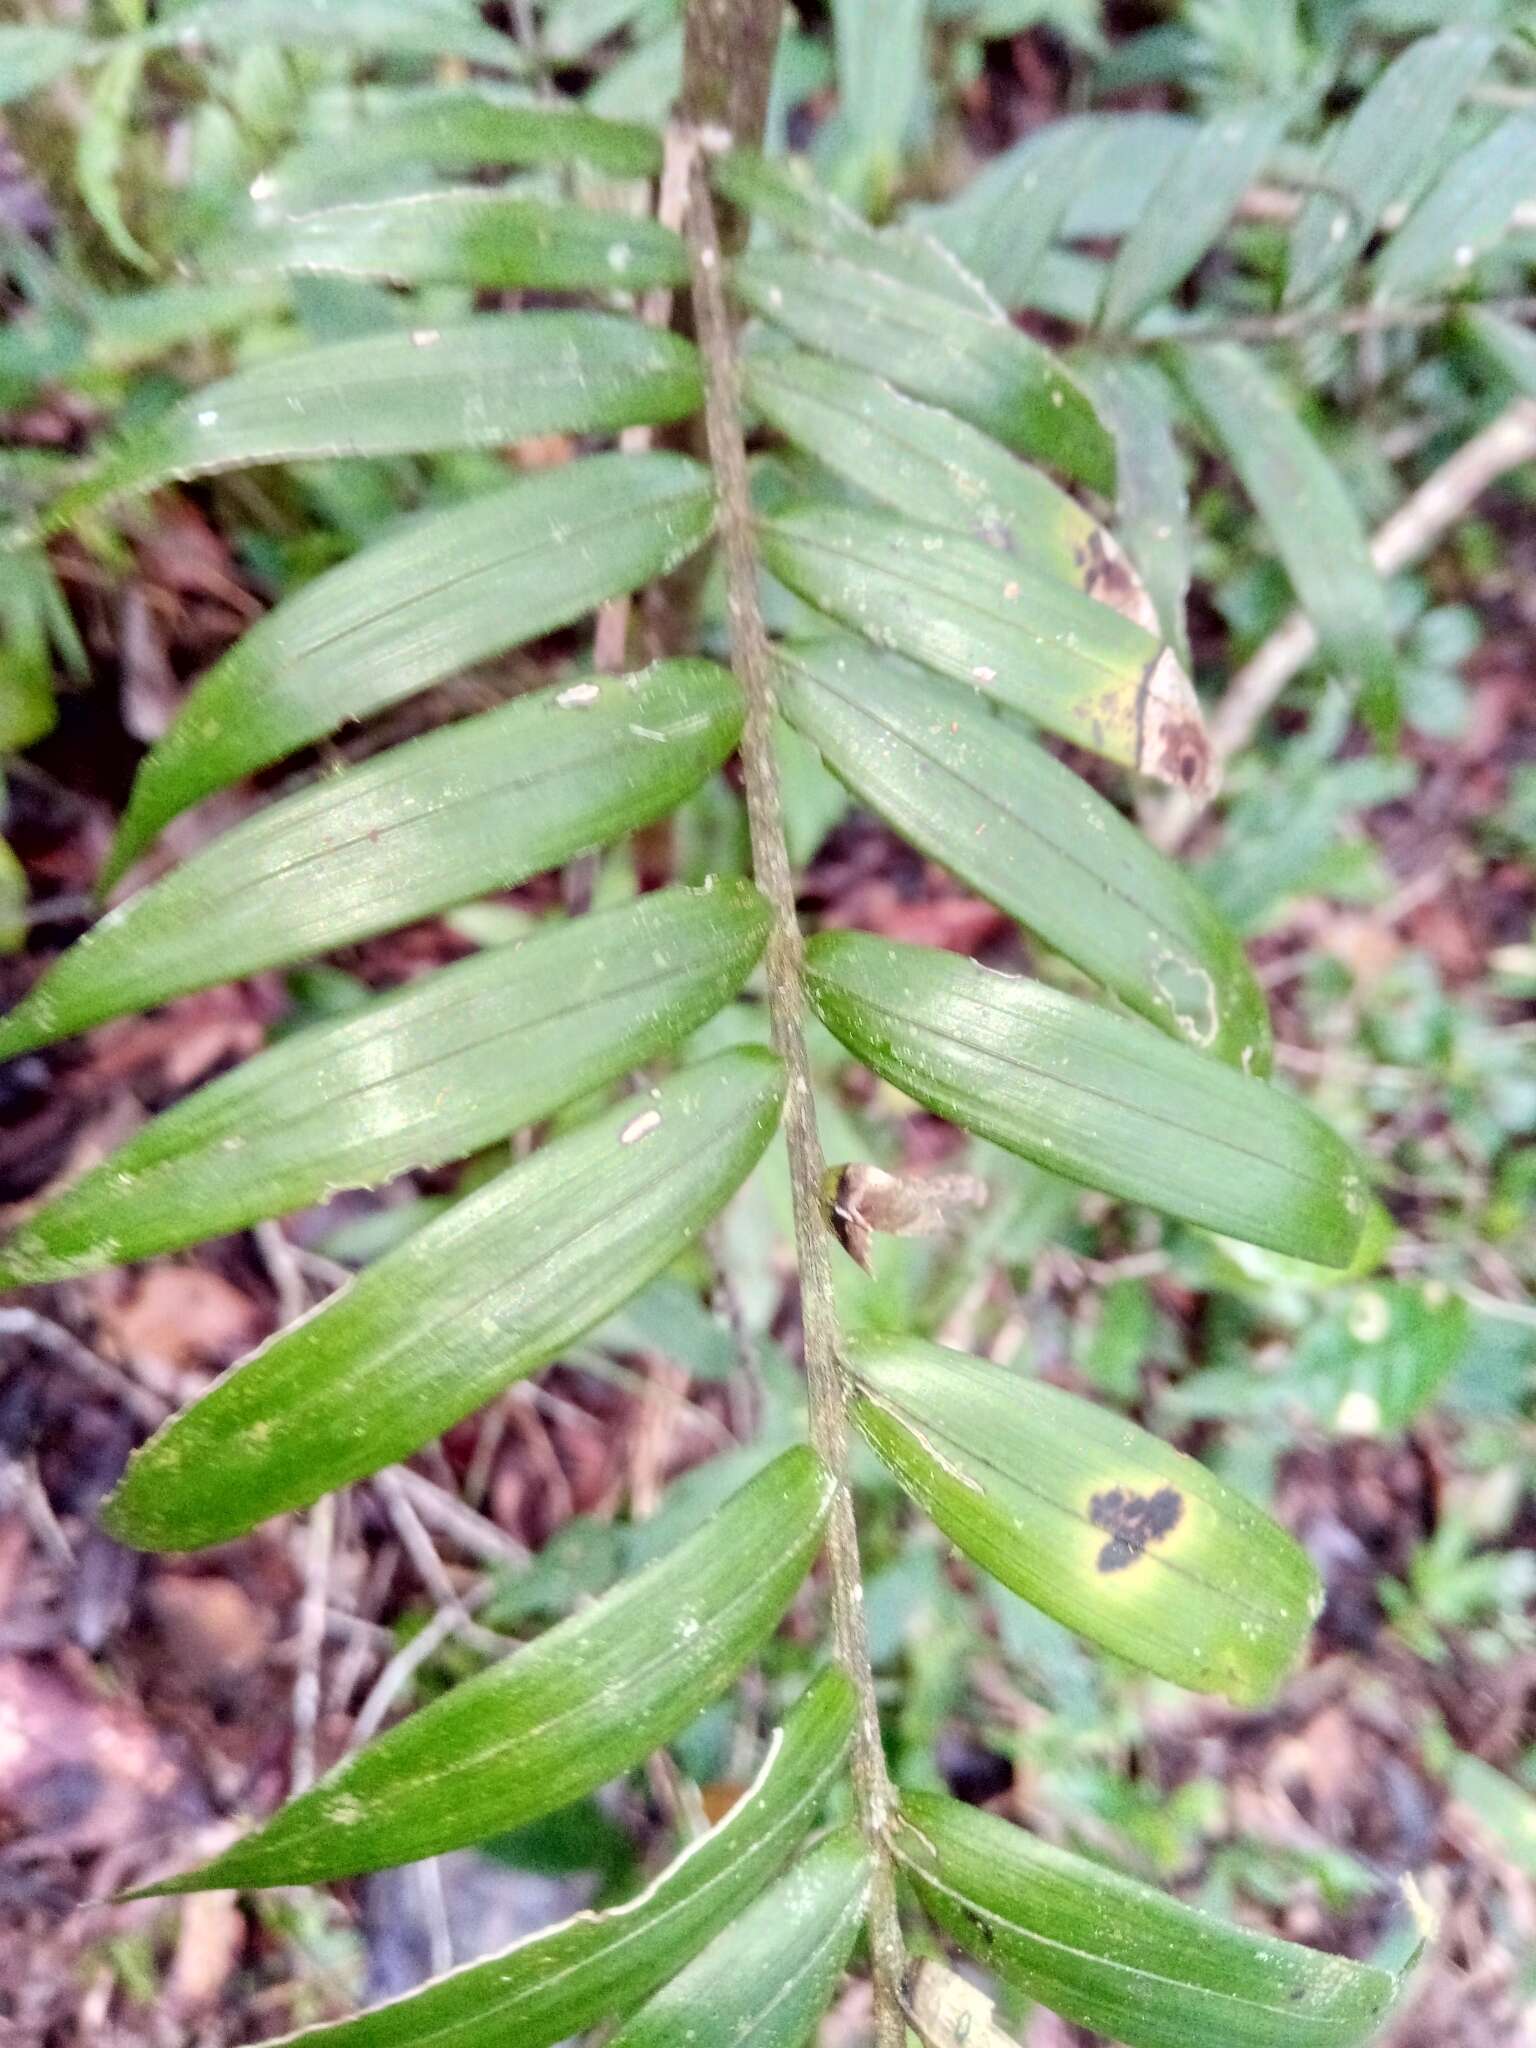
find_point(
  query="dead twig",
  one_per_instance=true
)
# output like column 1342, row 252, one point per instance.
column 319, row 1546
column 400, row 1669
column 474, row 1533
column 429, row 1567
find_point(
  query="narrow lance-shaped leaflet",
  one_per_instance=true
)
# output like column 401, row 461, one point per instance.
column 451, row 129
column 594, row 1966
column 767, row 1980
column 963, row 355
column 585, row 1701
column 938, row 470
column 476, row 806
column 1037, row 644
column 445, row 589
column 965, row 785
column 429, row 1073
column 469, row 235
column 481, row 1296
column 480, row 383
column 1121, row 1957
column 1097, row 1098
column 1095, row 1521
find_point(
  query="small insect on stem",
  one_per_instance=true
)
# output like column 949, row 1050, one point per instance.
column 860, row 1201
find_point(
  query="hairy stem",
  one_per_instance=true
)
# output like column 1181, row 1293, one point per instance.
column 786, row 997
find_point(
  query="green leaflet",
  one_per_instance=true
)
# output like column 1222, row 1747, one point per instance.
column 583, row 1702
column 1084, row 1515
column 1097, row 1098
column 1114, row 159
column 430, row 29
column 767, row 1980
column 1311, row 518
column 959, row 352
column 1187, row 209
column 1035, row 643
column 464, row 235
column 1503, row 1810
column 476, row 806
column 483, row 1295
column 1463, row 215
column 478, row 384
column 569, row 1978
column 1151, row 498
column 881, row 82
column 447, row 588
column 433, row 1072
column 1378, row 155
column 937, row 470
column 966, row 786
column 453, row 130
column 1118, row 1956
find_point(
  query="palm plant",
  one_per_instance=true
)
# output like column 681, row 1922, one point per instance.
column 907, row 587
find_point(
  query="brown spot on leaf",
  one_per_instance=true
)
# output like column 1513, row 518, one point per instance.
column 1132, row 1521
column 1171, row 740
column 1185, row 754
column 1109, row 578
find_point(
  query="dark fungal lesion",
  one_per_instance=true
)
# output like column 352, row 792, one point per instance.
column 1133, row 1521
column 1184, row 755
column 1108, row 577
